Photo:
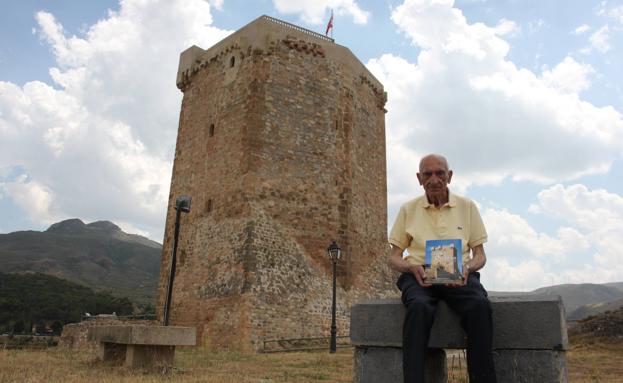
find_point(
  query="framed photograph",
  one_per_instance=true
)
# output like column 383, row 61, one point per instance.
column 443, row 261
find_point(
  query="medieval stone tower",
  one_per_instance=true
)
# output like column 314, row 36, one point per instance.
column 281, row 144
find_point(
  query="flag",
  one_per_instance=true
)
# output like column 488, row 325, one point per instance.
column 330, row 25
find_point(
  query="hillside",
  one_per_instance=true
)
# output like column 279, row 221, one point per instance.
column 576, row 295
column 607, row 325
column 594, row 309
column 580, row 300
column 98, row 255
column 38, row 299
column 618, row 285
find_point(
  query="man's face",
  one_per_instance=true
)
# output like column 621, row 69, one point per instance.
column 434, row 176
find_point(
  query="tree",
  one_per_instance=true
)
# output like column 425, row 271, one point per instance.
column 19, row 327
column 57, row 327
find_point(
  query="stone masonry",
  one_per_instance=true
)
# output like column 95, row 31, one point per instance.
column 281, row 144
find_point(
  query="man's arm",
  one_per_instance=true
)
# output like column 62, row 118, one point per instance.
column 397, row 263
column 478, row 261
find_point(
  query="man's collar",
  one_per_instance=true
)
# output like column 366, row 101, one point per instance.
column 451, row 201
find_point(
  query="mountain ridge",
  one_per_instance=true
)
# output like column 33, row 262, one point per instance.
column 581, row 300
column 98, row 255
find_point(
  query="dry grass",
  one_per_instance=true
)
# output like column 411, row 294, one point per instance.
column 595, row 361
column 588, row 361
column 191, row 365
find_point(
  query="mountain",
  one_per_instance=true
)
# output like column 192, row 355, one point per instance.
column 98, row 255
column 594, row 309
column 618, row 285
column 580, row 300
column 576, row 295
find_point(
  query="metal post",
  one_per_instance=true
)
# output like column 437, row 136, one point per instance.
column 333, row 327
column 167, row 303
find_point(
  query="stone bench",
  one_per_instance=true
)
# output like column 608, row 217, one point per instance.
column 149, row 347
column 529, row 340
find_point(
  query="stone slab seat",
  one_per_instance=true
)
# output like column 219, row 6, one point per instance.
column 140, row 346
column 529, row 340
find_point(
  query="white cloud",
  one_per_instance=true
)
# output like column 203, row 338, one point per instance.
column 591, row 210
column 507, row 27
column 597, row 213
column 218, row 4
column 616, row 13
column 581, row 29
column 513, row 237
column 568, row 76
column 464, row 98
column 32, row 197
column 500, row 275
column 599, row 39
column 587, row 250
column 98, row 144
column 317, row 11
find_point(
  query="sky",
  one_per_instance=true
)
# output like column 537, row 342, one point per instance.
column 524, row 97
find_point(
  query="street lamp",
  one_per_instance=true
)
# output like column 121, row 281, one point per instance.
column 182, row 205
column 334, row 252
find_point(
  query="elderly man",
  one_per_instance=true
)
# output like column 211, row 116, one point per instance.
column 438, row 214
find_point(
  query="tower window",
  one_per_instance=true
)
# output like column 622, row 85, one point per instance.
column 211, row 130
column 208, row 205
column 232, row 61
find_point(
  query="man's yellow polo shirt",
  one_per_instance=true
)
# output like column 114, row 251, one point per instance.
column 419, row 221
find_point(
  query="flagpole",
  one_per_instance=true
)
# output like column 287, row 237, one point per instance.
column 332, row 23
column 329, row 26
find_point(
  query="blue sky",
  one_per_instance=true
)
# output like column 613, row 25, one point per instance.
column 524, row 97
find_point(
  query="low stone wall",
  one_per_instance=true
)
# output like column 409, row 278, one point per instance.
column 74, row 335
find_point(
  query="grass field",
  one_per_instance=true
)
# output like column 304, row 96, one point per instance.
column 587, row 362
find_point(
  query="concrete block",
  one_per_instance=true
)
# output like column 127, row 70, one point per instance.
column 384, row 364
column 527, row 322
column 111, row 352
column 145, row 335
column 149, row 357
column 521, row 366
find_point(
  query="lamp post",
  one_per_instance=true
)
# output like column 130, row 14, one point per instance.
column 334, row 252
column 182, row 205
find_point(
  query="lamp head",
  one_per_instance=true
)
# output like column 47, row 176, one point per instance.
column 182, row 203
column 334, row 252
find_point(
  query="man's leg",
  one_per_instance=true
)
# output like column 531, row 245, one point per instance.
column 420, row 303
column 471, row 303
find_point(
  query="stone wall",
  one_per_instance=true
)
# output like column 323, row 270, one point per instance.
column 74, row 335
column 281, row 144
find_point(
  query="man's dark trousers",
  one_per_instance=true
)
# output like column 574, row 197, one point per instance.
column 470, row 302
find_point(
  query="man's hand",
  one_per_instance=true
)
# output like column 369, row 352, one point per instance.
column 420, row 275
column 397, row 263
column 466, row 271
column 463, row 281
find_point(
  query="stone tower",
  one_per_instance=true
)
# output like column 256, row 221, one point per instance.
column 281, row 144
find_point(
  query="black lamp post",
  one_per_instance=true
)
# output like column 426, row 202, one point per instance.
column 334, row 253
column 182, row 205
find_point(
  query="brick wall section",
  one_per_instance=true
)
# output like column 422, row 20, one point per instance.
column 296, row 159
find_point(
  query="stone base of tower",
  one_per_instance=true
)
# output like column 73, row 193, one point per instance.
column 249, row 280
